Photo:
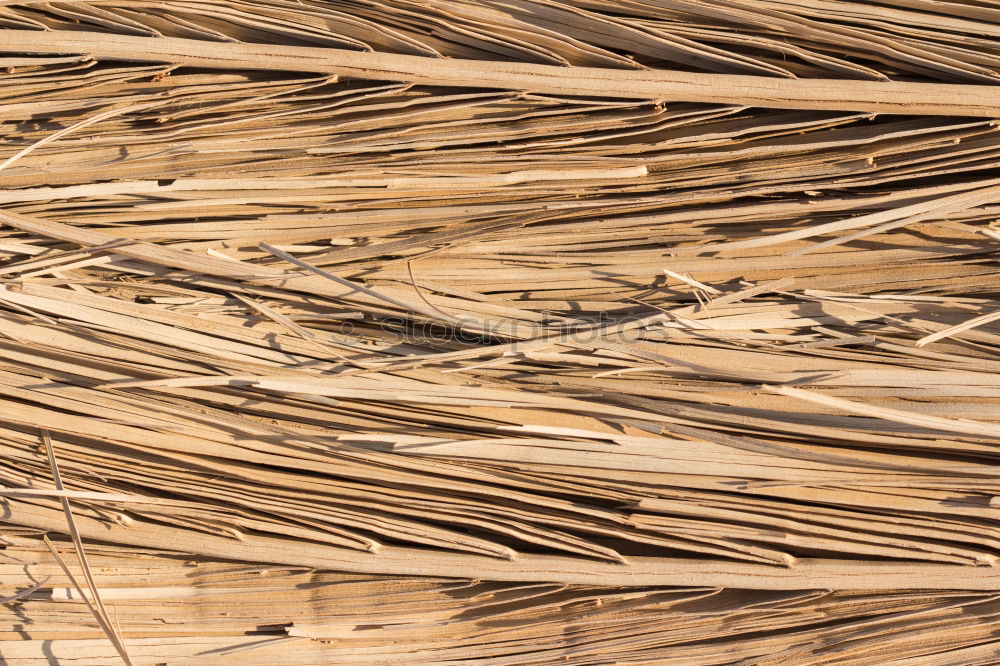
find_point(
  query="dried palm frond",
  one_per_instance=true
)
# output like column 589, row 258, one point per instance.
column 500, row 331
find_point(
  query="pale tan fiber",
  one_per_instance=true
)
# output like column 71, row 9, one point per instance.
column 502, row 332
column 874, row 96
column 640, row 571
column 958, row 328
column 95, row 603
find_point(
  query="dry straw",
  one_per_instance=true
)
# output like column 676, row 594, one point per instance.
column 499, row 332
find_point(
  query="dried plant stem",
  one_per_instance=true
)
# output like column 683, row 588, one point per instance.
column 868, row 96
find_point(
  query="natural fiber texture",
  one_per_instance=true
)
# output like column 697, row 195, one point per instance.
column 500, row 332
column 815, row 94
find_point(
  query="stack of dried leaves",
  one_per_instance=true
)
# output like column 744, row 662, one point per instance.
column 500, row 332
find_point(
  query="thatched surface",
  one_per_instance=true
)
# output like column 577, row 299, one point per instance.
column 500, row 332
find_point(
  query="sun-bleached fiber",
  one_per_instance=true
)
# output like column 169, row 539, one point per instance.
column 499, row 332
column 872, row 96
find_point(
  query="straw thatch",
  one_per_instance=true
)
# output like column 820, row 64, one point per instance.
column 500, row 332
